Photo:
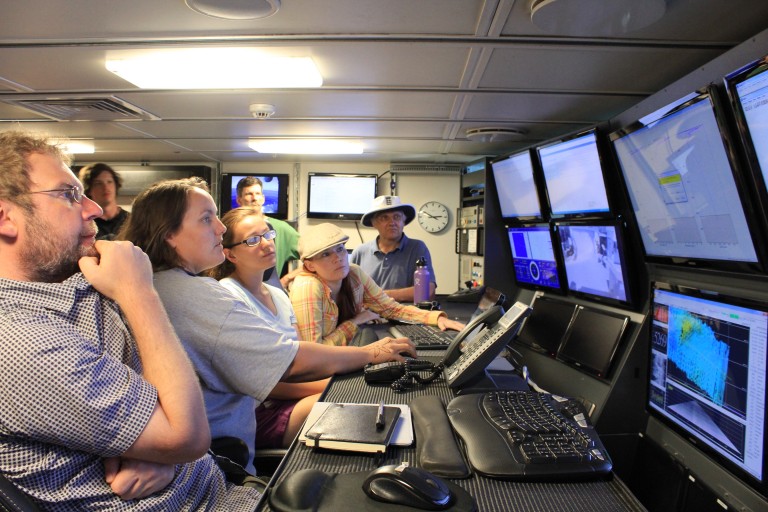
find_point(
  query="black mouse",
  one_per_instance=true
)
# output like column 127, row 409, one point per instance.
column 405, row 485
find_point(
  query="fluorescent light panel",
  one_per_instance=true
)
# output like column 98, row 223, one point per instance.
column 212, row 68
column 76, row 147
column 306, row 146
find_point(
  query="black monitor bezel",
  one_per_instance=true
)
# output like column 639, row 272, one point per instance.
column 532, row 345
column 627, row 261
column 338, row 214
column 711, row 94
column 283, row 191
column 599, row 373
column 543, row 215
column 557, row 254
column 712, row 293
column 603, row 161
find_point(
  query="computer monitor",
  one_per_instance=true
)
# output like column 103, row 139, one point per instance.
column 595, row 261
column 274, row 187
column 707, row 375
column 573, row 175
column 591, row 341
column 516, row 188
column 533, row 257
column 748, row 90
column 683, row 187
column 545, row 327
column 340, row 196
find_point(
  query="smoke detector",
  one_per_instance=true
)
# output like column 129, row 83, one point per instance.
column 235, row 9
column 262, row 110
column 495, row 134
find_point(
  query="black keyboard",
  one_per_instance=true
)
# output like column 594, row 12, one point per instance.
column 423, row 336
column 524, row 435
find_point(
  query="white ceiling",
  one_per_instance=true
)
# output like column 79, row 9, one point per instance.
column 408, row 77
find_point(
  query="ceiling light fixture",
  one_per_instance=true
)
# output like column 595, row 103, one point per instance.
column 75, row 147
column 595, row 18
column 495, row 134
column 306, row 146
column 212, row 68
column 235, row 9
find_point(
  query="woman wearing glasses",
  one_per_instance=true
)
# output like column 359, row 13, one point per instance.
column 239, row 357
column 249, row 249
column 333, row 299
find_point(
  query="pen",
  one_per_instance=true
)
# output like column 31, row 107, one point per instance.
column 380, row 415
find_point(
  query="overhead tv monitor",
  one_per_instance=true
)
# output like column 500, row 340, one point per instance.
column 516, row 188
column 545, row 327
column 573, row 176
column 340, row 196
column 533, row 257
column 748, row 90
column 591, row 341
column 595, row 260
column 274, row 187
column 683, row 188
column 707, row 375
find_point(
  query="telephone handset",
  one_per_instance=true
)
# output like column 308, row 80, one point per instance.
column 473, row 328
column 486, row 346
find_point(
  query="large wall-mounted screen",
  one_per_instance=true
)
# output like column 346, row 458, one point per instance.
column 340, row 196
column 274, row 188
column 516, row 188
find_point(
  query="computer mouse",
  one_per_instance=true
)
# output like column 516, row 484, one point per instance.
column 406, row 485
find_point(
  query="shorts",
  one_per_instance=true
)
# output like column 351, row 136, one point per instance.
column 272, row 421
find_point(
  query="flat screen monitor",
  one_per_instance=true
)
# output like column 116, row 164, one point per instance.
column 533, row 257
column 595, row 260
column 340, row 196
column 707, row 375
column 748, row 88
column 274, row 187
column 545, row 327
column 573, row 176
column 683, row 189
column 591, row 341
column 515, row 187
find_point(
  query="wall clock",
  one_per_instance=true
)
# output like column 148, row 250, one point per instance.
column 433, row 216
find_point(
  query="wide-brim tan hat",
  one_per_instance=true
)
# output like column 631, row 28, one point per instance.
column 385, row 203
column 319, row 238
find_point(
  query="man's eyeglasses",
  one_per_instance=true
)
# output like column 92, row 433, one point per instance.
column 253, row 241
column 73, row 194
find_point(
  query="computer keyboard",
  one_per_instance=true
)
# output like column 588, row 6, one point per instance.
column 525, row 435
column 423, row 336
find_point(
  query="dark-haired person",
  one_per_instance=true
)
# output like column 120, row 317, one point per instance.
column 249, row 248
column 250, row 192
column 102, row 409
column 102, row 184
column 239, row 357
column 332, row 298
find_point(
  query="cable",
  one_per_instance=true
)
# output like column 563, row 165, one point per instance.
column 410, row 376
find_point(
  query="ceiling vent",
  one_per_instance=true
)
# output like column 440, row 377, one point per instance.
column 495, row 134
column 86, row 109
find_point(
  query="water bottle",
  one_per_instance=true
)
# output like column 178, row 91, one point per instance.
column 421, row 281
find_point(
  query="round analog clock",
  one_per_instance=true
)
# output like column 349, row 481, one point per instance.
column 433, row 216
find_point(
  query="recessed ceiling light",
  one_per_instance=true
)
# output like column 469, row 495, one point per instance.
column 235, row 9
column 306, row 146
column 212, row 68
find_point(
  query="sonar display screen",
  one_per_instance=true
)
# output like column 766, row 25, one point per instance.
column 708, row 371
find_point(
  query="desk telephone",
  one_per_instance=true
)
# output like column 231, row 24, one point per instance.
column 485, row 337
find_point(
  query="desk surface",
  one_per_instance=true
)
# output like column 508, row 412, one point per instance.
column 490, row 494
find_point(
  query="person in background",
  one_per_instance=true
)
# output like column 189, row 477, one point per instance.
column 238, row 356
column 102, row 184
column 103, row 410
column 250, row 192
column 249, row 249
column 391, row 258
column 332, row 298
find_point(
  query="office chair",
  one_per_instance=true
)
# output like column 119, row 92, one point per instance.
column 266, row 460
column 12, row 499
